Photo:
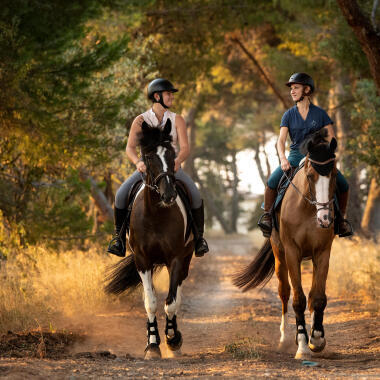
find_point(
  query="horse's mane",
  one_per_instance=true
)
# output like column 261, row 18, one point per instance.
column 151, row 137
column 314, row 139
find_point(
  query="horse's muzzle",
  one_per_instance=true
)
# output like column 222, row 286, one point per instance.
column 169, row 200
column 325, row 222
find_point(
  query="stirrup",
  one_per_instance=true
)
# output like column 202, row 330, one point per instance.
column 201, row 247
column 349, row 231
column 113, row 246
column 265, row 229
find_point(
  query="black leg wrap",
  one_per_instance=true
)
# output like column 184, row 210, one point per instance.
column 317, row 329
column 149, row 325
column 174, row 342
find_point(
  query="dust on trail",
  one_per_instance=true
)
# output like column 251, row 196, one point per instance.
column 226, row 333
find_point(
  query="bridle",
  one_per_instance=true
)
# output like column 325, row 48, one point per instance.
column 156, row 181
column 313, row 201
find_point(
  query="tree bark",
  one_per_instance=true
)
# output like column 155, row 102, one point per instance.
column 371, row 217
column 99, row 198
column 346, row 161
column 188, row 166
column 235, row 195
column 211, row 206
column 366, row 34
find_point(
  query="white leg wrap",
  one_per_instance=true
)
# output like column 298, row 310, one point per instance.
column 303, row 348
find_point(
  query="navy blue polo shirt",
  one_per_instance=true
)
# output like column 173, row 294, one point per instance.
column 299, row 128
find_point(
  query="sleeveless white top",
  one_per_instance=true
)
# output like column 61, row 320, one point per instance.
column 151, row 119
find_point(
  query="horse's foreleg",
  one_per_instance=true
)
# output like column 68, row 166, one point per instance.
column 299, row 304
column 152, row 349
column 172, row 304
column 283, row 291
column 318, row 301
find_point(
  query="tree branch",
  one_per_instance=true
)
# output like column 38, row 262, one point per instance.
column 262, row 73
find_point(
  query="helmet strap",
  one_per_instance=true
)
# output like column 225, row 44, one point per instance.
column 161, row 100
column 303, row 95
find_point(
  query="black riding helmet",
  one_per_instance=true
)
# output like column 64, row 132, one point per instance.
column 302, row 78
column 159, row 85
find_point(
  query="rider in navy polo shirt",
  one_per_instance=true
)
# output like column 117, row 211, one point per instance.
column 299, row 121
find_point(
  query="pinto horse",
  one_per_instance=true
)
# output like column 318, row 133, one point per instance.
column 157, row 237
column 306, row 230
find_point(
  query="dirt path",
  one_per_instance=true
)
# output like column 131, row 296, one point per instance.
column 226, row 333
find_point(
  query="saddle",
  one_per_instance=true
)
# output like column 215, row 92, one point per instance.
column 281, row 190
column 183, row 193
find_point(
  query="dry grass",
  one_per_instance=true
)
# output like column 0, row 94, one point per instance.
column 40, row 287
column 355, row 270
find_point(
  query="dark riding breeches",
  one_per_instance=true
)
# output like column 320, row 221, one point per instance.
column 123, row 191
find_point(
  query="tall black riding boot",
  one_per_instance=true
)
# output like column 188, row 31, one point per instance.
column 344, row 226
column 265, row 221
column 118, row 242
column 201, row 246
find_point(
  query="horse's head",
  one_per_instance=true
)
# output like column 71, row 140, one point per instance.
column 158, row 155
column 320, row 169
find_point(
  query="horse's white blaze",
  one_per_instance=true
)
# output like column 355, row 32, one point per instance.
column 161, row 153
column 322, row 196
column 284, row 327
column 172, row 308
column 150, row 300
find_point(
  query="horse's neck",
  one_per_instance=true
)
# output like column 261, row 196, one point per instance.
column 151, row 199
column 302, row 184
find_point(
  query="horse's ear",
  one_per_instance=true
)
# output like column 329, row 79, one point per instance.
column 333, row 145
column 144, row 126
column 309, row 146
column 168, row 127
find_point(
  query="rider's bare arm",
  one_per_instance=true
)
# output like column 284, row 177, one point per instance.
column 281, row 148
column 183, row 141
column 131, row 148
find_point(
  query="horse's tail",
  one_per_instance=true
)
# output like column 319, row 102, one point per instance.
column 259, row 271
column 122, row 276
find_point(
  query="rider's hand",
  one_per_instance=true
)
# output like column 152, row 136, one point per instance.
column 177, row 165
column 140, row 166
column 285, row 164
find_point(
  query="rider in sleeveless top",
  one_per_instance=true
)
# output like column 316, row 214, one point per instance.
column 299, row 121
column 161, row 93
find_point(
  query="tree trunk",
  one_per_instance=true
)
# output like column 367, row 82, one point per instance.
column 99, row 198
column 366, row 34
column 188, row 166
column 371, row 217
column 346, row 161
column 235, row 195
column 211, row 206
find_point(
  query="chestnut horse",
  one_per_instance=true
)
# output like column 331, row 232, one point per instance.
column 157, row 237
column 306, row 230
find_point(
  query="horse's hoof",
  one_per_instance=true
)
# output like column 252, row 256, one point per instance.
column 152, row 351
column 302, row 355
column 317, row 344
column 174, row 343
